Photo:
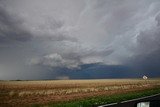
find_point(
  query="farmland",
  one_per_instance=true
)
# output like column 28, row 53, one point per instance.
column 28, row 93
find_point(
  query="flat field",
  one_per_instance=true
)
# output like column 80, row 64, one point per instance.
column 28, row 93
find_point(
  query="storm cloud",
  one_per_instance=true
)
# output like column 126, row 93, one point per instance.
column 53, row 39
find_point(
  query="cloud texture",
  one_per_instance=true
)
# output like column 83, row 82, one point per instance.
column 44, row 38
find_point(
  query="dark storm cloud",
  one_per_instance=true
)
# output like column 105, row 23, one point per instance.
column 148, row 40
column 147, row 56
column 57, row 38
column 72, row 59
column 11, row 29
column 20, row 41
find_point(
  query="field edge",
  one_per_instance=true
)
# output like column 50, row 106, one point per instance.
column 100, row 100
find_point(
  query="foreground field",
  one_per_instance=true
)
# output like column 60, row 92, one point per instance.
column 28, row 93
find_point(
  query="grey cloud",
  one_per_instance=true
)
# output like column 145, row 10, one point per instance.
column 15, row 28
column 51, row 29
column 148, row 40
column 71, row 59
column 11, row 29
column 71, row 34
column 147, row 51
column 56, row 60
column 62, row 77
column 158, row 19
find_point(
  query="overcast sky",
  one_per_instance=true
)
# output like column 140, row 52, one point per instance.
column 66, row 39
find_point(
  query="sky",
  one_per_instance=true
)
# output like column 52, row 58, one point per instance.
column 79, row 39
